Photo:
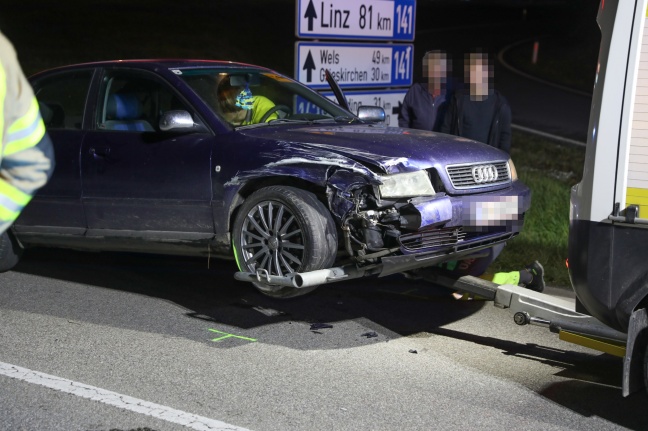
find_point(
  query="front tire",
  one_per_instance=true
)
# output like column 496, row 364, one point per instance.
column 10, row 251
column 284, row 230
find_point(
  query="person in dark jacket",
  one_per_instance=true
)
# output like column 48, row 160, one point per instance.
column 480, row 113
column 425, row 103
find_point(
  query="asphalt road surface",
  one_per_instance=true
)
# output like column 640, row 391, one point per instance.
column 103, row 341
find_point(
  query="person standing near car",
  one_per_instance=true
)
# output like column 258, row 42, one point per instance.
column 26, row 152
column 480, row 113
column 425, row 103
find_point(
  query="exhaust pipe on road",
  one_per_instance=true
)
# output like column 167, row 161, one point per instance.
column 306, row 279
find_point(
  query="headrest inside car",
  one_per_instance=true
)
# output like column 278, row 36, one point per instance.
column 123, row 107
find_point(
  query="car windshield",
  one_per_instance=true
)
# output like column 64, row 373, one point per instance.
column 244, row 97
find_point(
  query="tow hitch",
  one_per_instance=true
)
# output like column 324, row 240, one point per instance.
column 552, row 312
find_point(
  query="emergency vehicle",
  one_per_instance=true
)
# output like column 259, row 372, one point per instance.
column 608, row 239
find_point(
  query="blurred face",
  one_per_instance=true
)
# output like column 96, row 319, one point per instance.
column 227, row 99
column 435, row 71
column 479, row 74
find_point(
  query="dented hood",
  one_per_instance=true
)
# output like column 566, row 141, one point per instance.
column 390, row 149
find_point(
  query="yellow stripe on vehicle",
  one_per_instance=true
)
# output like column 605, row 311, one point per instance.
column 636, row 196
column 602, row 345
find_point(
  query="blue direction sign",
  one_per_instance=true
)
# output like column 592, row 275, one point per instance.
column 390, row 100
column 391, row 20
column 353, row 64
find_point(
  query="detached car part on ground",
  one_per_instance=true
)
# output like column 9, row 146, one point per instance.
column 147, row 162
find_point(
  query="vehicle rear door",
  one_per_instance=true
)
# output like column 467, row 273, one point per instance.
column 57, row 207
column 137, row 180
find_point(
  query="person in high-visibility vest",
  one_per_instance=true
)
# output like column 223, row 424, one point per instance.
column 26, row 153
column 240, row 107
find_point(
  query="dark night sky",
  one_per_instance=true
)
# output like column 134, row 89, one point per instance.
column 47, row 33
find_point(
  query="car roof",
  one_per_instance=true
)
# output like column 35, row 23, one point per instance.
column 152, row 64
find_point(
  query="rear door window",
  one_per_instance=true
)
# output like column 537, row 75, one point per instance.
column 62, row 99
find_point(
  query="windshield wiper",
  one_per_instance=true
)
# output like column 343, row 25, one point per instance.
column 277, row 121
column 347, row 120
column 288, row 120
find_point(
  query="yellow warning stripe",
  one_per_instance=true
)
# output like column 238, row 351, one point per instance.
column 606, row 346
column 635, row 196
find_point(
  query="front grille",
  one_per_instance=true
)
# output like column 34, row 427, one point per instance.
column 431, row 238
column 462, row 176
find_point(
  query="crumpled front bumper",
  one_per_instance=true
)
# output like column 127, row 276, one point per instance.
column 452, row 227
column 499, row 208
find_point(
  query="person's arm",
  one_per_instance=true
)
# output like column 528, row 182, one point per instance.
column 440, row 115
column 403, row 113
column 26, row 151
column 448, row 118
column 21, row 175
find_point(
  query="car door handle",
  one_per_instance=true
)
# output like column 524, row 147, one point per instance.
column 99, row 153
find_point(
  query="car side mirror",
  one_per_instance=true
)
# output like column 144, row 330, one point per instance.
column 371, row 114
column 180, row 121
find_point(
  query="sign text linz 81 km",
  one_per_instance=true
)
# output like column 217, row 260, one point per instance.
column 391, row 20
column 354, row 65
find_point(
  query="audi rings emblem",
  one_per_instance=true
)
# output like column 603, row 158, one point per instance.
column 484, row 174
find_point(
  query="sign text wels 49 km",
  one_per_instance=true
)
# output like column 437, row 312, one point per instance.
column 354, row 64
column 391, row 20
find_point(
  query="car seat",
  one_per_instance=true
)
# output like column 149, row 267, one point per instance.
column 124, row 112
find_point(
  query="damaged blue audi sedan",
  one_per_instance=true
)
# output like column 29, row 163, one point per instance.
column 209, row 158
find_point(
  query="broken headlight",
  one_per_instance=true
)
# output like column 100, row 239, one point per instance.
column 406, row 185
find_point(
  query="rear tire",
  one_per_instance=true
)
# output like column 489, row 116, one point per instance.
column 284, row 230
column 10, row 251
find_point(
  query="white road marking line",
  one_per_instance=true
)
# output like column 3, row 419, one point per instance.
column 159, row 411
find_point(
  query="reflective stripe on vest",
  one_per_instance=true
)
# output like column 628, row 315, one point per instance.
column 25, row 132
column 3, row 95
column 12, row 201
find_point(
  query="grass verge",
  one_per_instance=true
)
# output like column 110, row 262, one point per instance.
column 549, row 170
